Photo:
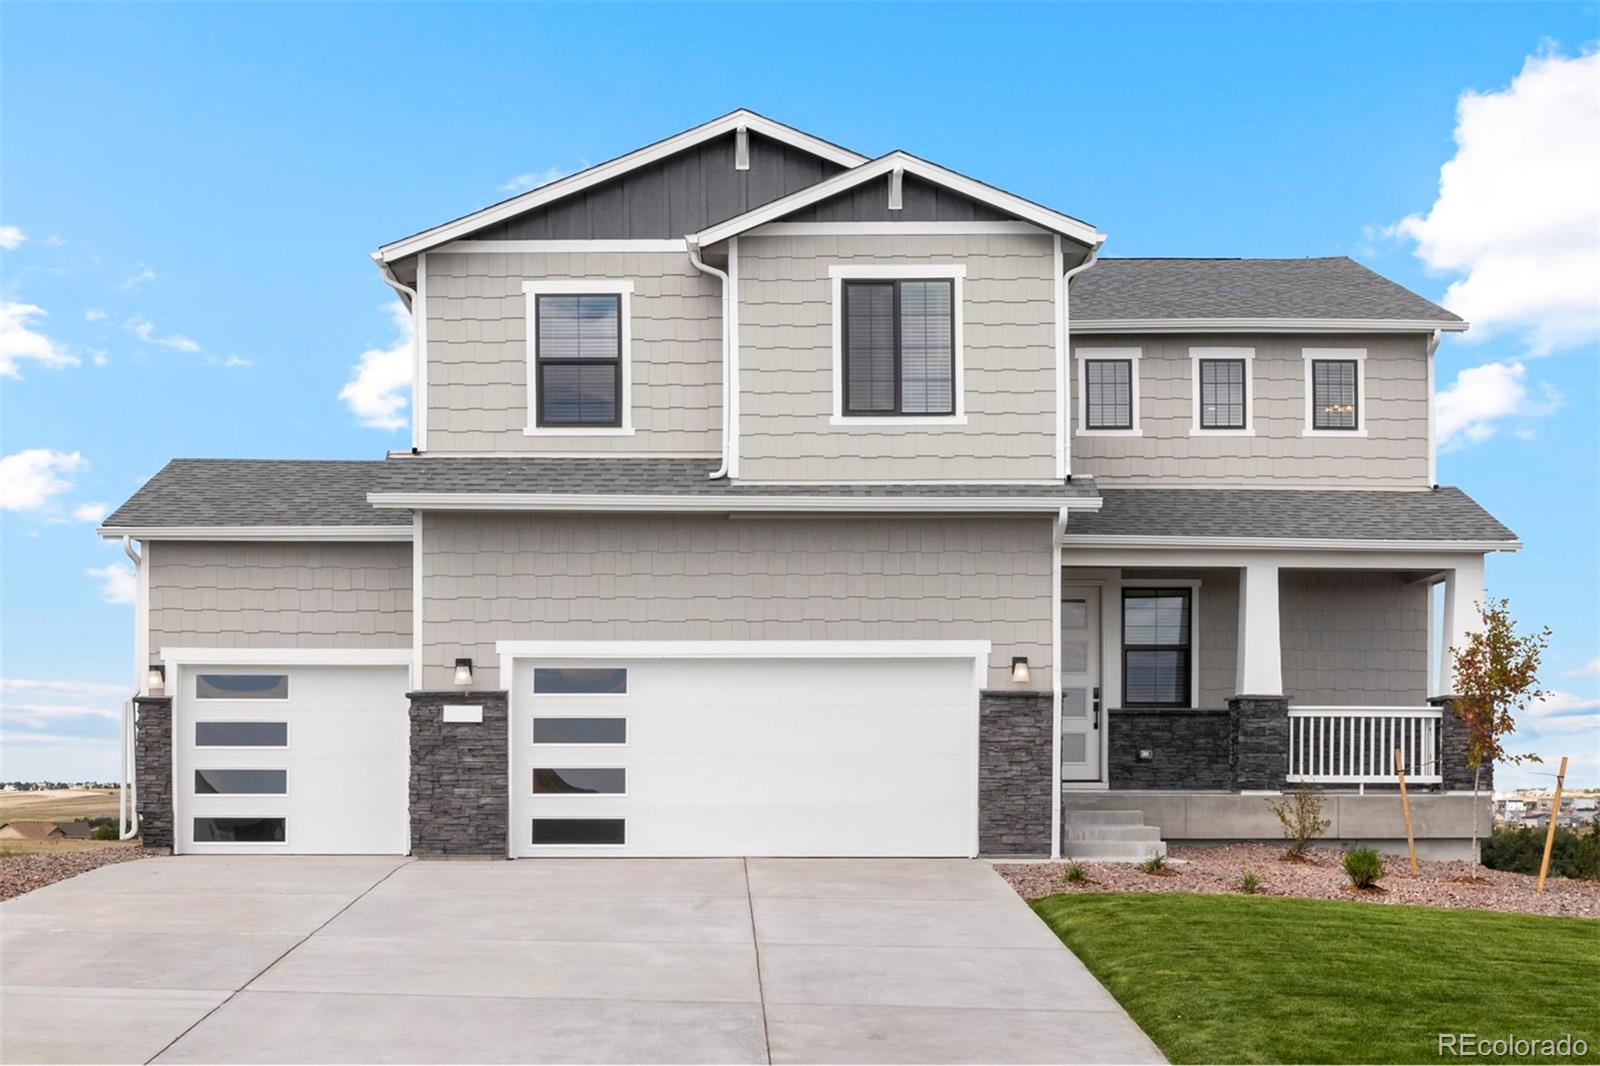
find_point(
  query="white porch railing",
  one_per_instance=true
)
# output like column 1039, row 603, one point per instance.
column 1356, row 745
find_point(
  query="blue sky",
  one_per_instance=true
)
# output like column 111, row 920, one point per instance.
column 188, row 195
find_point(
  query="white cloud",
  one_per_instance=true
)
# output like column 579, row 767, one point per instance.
column 238, row 360
column 78, row 690
column 10, row 737
column 1571, row 723
column 1588, row 669
column 94, row 314
column 98, row 356
column 90, row 512
column 117, row 584
column 43, row 715
column 145, row 330
column 1518, row 211
column 1557, row 702
column 11, row 238
column 1472, row 408
column 380, row 382
column 19, row 340
column 533, row 179
column 141, row 274
column 29, row 479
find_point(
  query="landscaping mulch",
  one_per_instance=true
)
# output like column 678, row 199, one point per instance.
column 24, row 873
column 1217, row 870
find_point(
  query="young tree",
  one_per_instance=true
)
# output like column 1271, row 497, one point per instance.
column 1496, row 676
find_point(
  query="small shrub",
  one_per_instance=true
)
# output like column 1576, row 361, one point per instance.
column 1301, row 816
column 1364, row 867
column 1249, row 884
column 104, row 832
column 1155, row 864
column 1076, row 874
column 1575, row 853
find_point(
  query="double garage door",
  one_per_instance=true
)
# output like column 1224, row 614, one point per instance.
column 642, row 757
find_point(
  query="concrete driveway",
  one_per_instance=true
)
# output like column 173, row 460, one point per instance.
column 253, row 959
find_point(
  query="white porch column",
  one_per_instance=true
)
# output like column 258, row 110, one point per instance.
column 1463, row 593
column 1260, row 644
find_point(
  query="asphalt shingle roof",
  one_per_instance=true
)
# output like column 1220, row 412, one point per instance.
column 654, row 477
column 1336, row 288
column 257, row 492
column 1443, row 514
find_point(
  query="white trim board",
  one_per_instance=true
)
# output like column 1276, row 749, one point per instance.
column 622, row 288
column 747, row 649
column 1290, row 543
column 286, row 656
column 1042, row 217
column 603, row 172
column 956, row 274
column 520, row 501
column 519, row 247
column 1263, row 325
column 313, row 533
column 832, row 229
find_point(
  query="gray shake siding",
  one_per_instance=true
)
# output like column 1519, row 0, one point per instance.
column 279, row 595
column 642, row 577
column 1353, row 638
column 786, row 382
column 1393, row 454
column 478, row 352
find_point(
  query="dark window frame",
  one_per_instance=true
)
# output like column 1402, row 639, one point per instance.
column 1186, row 699
column 894, row 284
column 1355, row 393
column 1244, row 392
column 1133, row 392
column 569, row 823
column 541, row 361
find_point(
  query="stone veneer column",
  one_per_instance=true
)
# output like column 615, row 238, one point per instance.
column 1453, row 751
column 152, row 751
column 1261, row 742
column 1014, row 778
column 459, row 804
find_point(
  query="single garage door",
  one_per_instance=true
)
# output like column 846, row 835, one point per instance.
column 747, row 756
column 292, row 760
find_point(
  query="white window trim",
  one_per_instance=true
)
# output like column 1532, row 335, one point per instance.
column 1085, row 356
column 1193, row 585
column 956, row 274
column 1248, row 356
column 620, row 287
column 1359, row 356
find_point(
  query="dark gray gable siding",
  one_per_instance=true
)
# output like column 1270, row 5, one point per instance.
column 678, row 195
column 921, row 201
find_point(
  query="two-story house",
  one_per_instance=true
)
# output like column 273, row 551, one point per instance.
column 767, row 499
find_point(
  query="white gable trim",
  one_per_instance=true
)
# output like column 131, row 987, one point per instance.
column 584, row 179
column 1263, row 325
column 258, row 533
column 1026, row 210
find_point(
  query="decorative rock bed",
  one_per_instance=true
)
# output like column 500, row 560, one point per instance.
column 24, row 873
column 1216, row 870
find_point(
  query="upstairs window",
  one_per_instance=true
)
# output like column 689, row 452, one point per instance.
column 1108, row 393
column 1335, row 391
column 578, row 357
column 899, row 347
column 1334, row 399
column 1222, row 390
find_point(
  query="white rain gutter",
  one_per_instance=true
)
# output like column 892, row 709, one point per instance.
column 408, row 296
column 727, row 390
column 1066, row 326
column 127, row 781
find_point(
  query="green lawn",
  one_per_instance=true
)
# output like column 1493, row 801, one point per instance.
column 1237, row 979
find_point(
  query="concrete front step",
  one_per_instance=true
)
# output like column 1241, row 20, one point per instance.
column 1112, row 832
column 1113, row 850
column 1086, row 818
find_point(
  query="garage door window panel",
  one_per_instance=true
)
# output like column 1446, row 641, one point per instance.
column 241, row 734
column 607, row 731
column 241, row 687
column 241, row 782
column 580, row 781
column 580, row 681
column 580, row 832
column 241, row 830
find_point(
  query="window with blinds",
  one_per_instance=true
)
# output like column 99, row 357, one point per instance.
column 1222, row 394
column 899, row 347
column 1156, row 647
column 1108, row 393
column 578, row 359
column 1334, row 396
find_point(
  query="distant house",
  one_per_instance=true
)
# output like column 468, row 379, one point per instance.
column 76, row 830
column 31, row 831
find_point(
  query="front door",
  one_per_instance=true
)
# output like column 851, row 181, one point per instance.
column 1080, row 683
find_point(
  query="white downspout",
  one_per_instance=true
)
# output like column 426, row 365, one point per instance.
column 1057, row 537
column 727, row 423
column 1066, row 326
column 409, row 296
column 1433, row 448
column 128, row 799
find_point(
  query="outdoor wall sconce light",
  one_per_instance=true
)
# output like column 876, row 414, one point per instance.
column 1019, row 670
column 463, row 673
column 155, row 682
column 1146, row 755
